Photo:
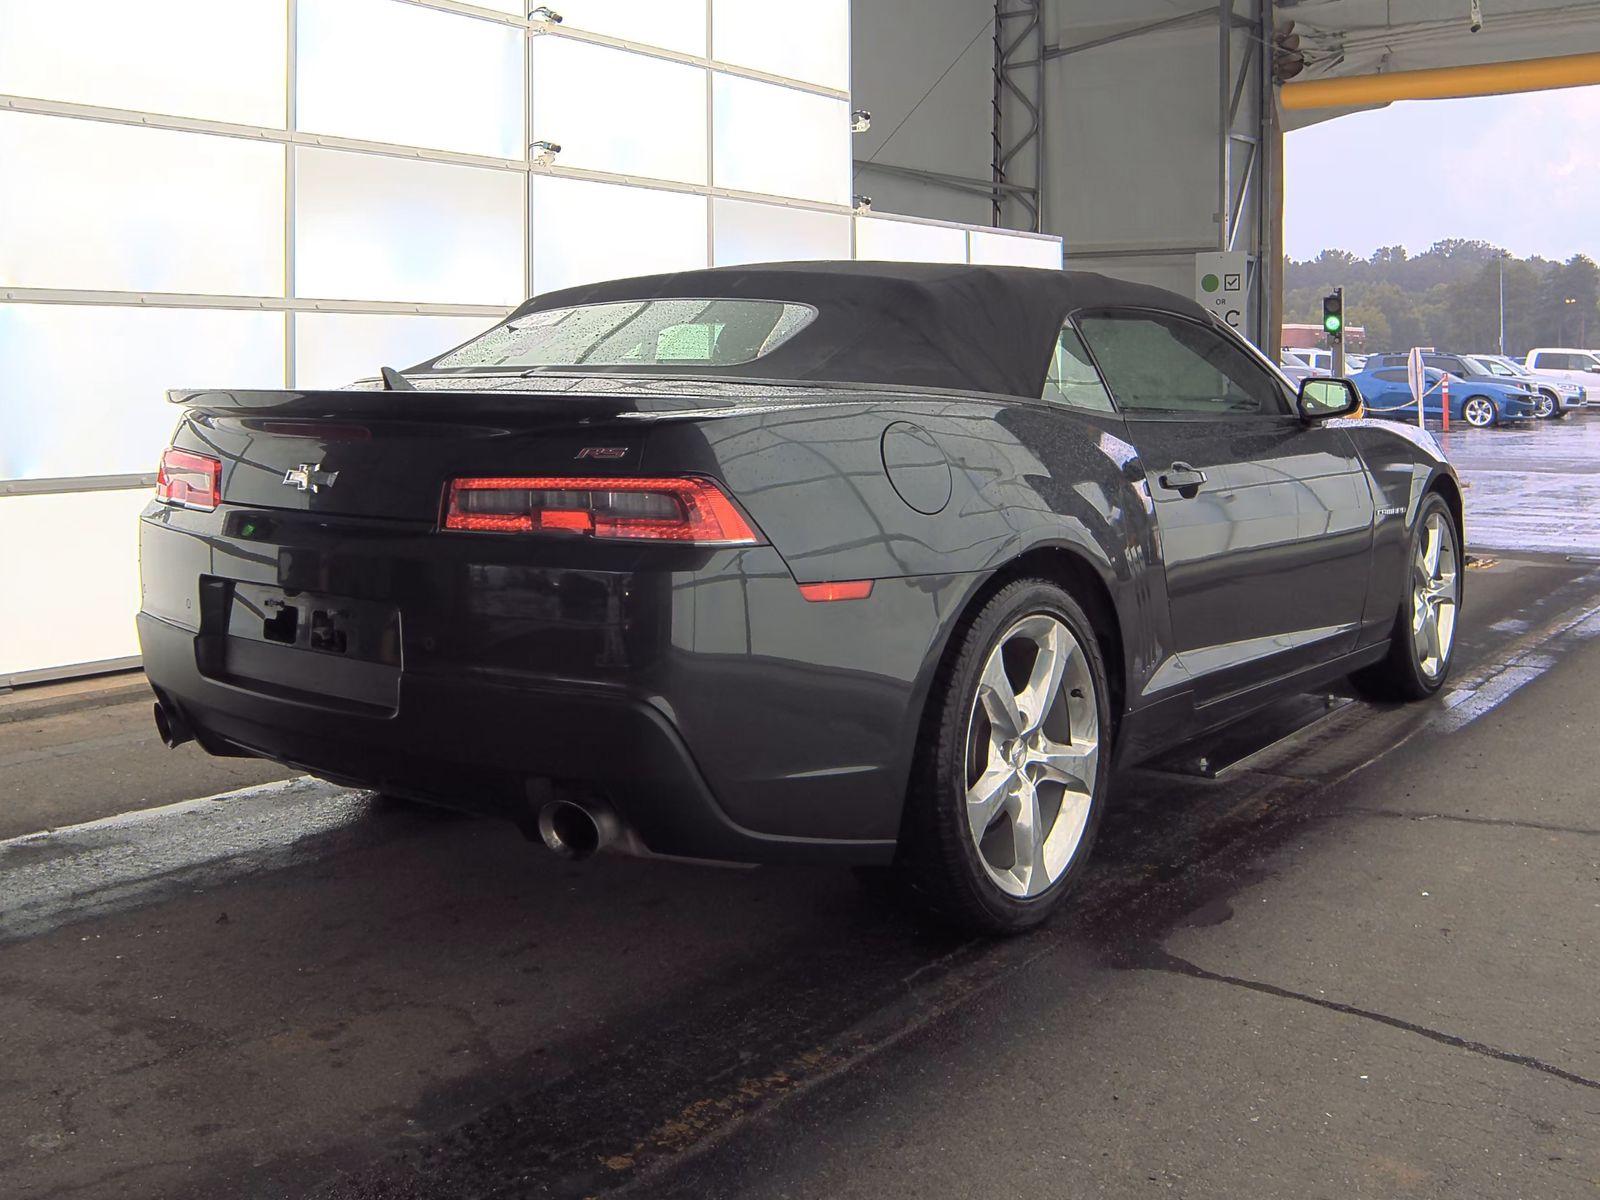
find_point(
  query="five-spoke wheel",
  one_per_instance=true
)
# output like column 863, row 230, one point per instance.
column 1033, row 755
column 1423, row 639
column 1013, row 763
column 1478, row 412
column 1435, row 593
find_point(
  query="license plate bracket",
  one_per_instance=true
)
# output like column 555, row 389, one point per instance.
column 312, row 648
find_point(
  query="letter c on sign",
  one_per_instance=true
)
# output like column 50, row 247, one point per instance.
column 1232, row 318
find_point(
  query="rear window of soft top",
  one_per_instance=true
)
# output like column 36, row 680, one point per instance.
column 643, row 333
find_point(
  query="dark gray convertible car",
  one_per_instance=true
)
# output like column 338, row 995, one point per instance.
column 849, row 562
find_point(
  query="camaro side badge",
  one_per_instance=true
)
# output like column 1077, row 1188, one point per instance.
column 603, row 452
column 309, row 477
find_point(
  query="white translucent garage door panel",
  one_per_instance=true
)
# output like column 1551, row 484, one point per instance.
column 369, row 227
column 392, row 72
column 673, row 24
column 83, row 389
column 333, row 349
column 906, row 241
column 194, row 58
column 779, row 140
column 609, row 110
column 1000, row 250
column 85, row 615
column 748, row 232
column 85, row 204
column 587, row 231
column 809, row 42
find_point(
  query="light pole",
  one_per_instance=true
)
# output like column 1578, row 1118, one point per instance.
column 1564, row 311
column 1502, row 349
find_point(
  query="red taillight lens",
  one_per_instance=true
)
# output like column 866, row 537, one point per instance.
column 688, row 511
column 189, row 480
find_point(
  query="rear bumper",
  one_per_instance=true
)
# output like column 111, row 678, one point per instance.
column 487, row 746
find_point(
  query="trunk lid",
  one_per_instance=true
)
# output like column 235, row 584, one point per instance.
column 366, row 452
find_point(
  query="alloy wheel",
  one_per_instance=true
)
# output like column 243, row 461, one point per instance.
column 1546, row 407
column 1033, row 755
column 1435, row 594
column 1478, row 412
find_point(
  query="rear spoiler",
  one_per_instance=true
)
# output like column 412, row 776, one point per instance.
column 413, row 405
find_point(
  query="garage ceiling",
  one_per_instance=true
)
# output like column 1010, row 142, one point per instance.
column 1368, row 37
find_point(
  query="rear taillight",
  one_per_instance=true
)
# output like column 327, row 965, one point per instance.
column 687, row 511
column 189, row 480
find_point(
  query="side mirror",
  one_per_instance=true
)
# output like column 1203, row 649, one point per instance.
column 1322, row 398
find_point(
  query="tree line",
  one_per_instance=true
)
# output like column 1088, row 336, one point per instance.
column 1449, row 297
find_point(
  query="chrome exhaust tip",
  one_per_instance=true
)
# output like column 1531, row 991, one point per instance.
column 576, row 831
column 171, row 726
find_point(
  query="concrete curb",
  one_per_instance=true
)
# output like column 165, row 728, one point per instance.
column 50, row 702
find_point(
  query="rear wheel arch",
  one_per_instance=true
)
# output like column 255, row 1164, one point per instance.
column 1075, row 574
column 1070, row 569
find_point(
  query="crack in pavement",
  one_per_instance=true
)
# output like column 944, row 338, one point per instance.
column 1543, row 826
column 1154, row 959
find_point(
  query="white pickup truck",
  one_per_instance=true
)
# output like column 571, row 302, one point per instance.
column 1575, row 366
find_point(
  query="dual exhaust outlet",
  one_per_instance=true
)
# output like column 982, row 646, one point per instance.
column 571, row 829
column 578, row 831
column 173, row 730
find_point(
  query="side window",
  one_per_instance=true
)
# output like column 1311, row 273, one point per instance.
column 1393, row 375
column 1558, row 362
column 1156, row 362
column 1072, row 380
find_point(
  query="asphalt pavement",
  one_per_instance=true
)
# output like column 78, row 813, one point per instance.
column 1358, row 959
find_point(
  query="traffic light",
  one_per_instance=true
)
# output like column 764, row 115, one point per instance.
column 1333, row 315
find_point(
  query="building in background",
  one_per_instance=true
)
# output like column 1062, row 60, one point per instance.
column 295, row 192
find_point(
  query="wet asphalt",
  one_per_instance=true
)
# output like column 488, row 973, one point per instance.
column 1361, row 961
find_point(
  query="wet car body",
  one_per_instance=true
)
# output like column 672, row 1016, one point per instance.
column 720, row 708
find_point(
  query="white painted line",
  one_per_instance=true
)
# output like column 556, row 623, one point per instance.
column 138, row 816
column 64, row 875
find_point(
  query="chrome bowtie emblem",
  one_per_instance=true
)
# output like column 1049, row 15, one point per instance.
column 309, row 477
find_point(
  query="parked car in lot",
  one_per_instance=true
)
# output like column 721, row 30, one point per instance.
column 1466, row 369
column 1479, row 402
column 1555, row 397
column 1317, row 360
column 1581, row 367
column 1297, row 368
column 837, row 561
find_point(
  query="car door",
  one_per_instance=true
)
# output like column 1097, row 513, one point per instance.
column 1387, row 393
column 1265, row 521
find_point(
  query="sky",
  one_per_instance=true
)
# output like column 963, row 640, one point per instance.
column 1521, row 172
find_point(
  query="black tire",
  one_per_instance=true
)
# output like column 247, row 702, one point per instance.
column 938, row 861
column 1473, row 409
column 1400, row 675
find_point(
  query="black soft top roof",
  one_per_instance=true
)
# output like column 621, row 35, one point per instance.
column 943, row 325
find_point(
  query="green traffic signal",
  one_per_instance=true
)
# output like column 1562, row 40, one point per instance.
column 1333, row 314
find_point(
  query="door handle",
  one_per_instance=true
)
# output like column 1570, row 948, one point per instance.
column 1180, row 477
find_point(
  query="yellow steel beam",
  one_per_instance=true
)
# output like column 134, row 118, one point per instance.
column 1444, row 83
